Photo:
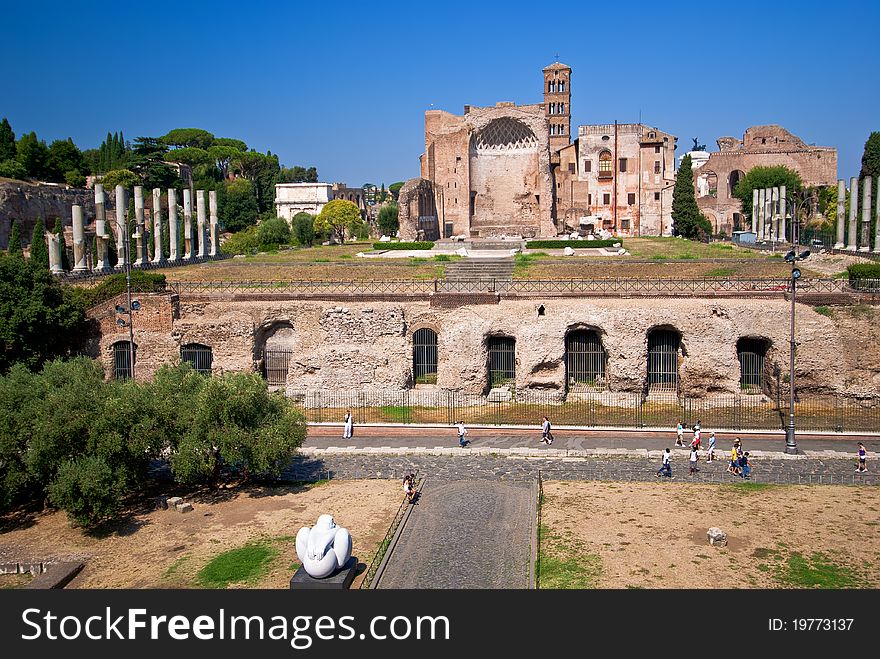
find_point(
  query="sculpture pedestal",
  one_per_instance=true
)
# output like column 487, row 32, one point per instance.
column 339, row 580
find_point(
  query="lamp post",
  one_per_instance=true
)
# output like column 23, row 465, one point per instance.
column 133, row 305
column 801, row 205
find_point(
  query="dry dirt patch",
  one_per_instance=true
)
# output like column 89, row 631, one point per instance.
column 166, row 549
column 652, row 535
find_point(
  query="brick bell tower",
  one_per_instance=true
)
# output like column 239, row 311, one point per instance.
column 557, row 105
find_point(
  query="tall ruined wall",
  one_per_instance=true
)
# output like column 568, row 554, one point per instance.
column 368, row 345
column 24, row 202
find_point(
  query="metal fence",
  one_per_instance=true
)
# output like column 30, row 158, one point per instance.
column 590, row 410
column 709, row 286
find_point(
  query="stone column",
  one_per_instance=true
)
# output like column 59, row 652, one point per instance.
column 877, row 218
column 754, row 209
column 866, row 215
column 173, row 254
column 158, row 254
column 774, row 213
column 187, row 224
column 841, row 213
column 79, row 240
column 762, row 210
column 853, row 206
column 140, row 245
column 54, row 241
column 200, row 220
column 782, row 210
column 121, row 237
column 101, row 238
column 212, row 208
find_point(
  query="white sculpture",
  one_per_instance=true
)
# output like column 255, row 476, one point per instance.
column 324, row 548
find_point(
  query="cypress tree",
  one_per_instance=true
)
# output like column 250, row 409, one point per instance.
column 7, row 141
column 59, row 231
column 39, row 249
column 687, row 220
column 14, row 247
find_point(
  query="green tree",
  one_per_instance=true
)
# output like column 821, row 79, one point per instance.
column 298, row 174
column 59, row 231
column 687, row 220
column 758, row 178
column 262, row 171
column 273, row 231
column 8, row 149
column 394, row 189
column 63, row 157
column 12, row 169
column 239, row 209
column 14, row 247
column 387, row 220
column 32, row 154
column 242, row 242
column 238, row 145
column 124, row 177
column 189, row 155
column 39, row 319
column 304, row 229
column 222, row 155
column 39, row 249
column 188, row 137
column 870, row 157
column 75, row 179
column 339, row 216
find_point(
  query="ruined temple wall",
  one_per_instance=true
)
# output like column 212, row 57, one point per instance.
column 368, row 345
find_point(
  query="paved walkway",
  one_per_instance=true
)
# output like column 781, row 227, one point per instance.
column 465, row 534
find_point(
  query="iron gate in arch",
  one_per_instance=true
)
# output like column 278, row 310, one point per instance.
column 751, row 353
column 425, row 356
column 276, row 363
column 502, row 360
column 663, row 346
column 122, row 360
column 585, row 359
column 200, row 356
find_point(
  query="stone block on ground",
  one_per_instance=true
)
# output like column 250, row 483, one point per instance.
column 717, row 536
column 184, row 507
column 173, row 501
column 568, row 251
column 499, row 394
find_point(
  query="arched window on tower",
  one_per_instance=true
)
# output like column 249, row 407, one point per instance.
column 562, row 85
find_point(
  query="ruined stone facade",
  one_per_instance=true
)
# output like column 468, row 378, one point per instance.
column 762, row 146
column 293, row 198
column 358, row 345
column 617, row 177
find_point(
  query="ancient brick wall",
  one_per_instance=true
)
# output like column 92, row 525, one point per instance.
column 368, row 345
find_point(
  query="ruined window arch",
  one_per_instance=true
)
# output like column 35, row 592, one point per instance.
column 273, row 351
column 707, row 184
column 585, row 360
column 121, row 359
column 506, row 134
column 664, row 344
column 502, row 360
column 425, row 356
column 200, row 356
column 752, row 354
column 735, row 177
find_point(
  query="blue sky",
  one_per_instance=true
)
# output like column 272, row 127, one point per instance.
column 343, row 86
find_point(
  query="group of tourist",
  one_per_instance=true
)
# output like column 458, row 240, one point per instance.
column 409, row 487
column 740, row 464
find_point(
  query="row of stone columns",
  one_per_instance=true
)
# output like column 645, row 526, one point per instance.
column 848, row 227
column 768, row 213
column 207, row 231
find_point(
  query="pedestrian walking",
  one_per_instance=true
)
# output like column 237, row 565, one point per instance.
column 745, row 467
column 349, row 425
column 666, row 467
column 679, row 432
column 462, row 433
column 693, row 460
column 733, row 467
column 697, row 429
column 711, row 452
column 863, row 458
column 546, row 435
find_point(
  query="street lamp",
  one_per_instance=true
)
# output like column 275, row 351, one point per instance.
column 800, row 205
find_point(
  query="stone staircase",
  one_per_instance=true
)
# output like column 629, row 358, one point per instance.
column 498, row 268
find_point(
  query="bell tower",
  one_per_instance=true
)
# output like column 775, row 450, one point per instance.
column 557, row 104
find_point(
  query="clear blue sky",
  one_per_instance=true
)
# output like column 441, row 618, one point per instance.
column 343, row 86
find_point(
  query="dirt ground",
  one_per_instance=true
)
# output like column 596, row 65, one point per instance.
column 652, row 535
column 166, row 549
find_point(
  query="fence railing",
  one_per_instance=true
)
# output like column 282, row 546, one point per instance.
column 385, row 545
column 591, row 410
column 578, row 287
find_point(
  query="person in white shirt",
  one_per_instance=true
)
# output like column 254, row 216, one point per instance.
column 462, row 433
column 349, row 424
column 546, row 435
column 711, row 455
column 694, row 460
column 666, row 467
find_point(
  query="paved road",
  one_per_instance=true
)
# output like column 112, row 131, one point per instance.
column 465, row 534
column 397, row 436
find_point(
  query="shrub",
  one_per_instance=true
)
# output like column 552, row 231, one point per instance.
column 275, row 231
column 863, row 271
column 425, row 244
column 86, row 489
column 75, row 179
column 574, row 244
column 304, row 229
column 141, row 282
column 242, row 242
